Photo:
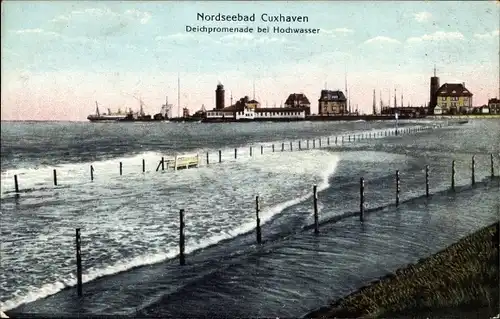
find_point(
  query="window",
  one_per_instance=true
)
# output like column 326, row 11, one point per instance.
column 443, row 98
column 444, row 105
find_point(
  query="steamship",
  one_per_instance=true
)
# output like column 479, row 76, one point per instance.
column 106, row 117
column 131, row 116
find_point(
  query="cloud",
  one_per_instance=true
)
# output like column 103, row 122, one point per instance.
column 37, row 31
column 106, row 23
column 142, row 17
column 381, row 39
column 423, row 16
column 335, row 31
column 182, row 37
column 437, row 36
column 487, row 35
column 249, row 39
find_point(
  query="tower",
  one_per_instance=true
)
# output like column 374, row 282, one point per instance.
column 219, row 97
column 433, row 90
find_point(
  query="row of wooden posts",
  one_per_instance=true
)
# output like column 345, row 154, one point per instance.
column 258, row 230
column 161, row 163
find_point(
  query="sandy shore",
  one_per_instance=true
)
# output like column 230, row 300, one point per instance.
column 460, row 281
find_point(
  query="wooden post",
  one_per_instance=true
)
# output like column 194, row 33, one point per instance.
column 91, row 173
column 182, row 259
column 143, row 165
column 453, row 175
column 492, row 166
column 473, row 169
column 342, row 139
column 208, row 159
column 361, row 199
column 300, row 148
column 307, row 144
column 315, row 203
column 235, row 153
column 121, row 168
column 328, row 141
column 257, row 229
column 349, row 138
column 291, row 146
column 261, row 149
column 397, row 188
column 273, row 148
column 319, row 142
column 220, row 156
column 314, row 143
column 427, row 180
column 162, row 163
column 282, row 147
column 16, row 185
column 55, row 177
column 335, row 140
column 78, row 263
column 250, row 151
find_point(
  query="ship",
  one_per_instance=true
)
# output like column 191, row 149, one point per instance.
column 143, row 117
column 131, row 116
column 106, row 117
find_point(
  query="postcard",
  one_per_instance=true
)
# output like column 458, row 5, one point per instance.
column 249, row 159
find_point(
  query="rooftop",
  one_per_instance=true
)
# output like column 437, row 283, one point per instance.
column 332, row 96
column 453, row 89
column 297, row 98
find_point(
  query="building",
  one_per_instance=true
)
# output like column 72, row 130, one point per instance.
column 434, row 86
column 332, row 103
column 407, row 111
column 219, row 97
column 453, row 98
column 483, row 109
column 494, row 105
column 250, row 110
column 298, row 100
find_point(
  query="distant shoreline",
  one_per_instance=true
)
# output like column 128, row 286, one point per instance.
column 311, row 119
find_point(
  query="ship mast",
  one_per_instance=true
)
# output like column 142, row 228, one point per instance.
column 97, row 109
column 374, row 111
column 402, row 105
column 346, row 92
column 395, row 102
column 178, row 95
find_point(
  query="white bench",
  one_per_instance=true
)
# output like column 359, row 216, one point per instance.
column 183, row 161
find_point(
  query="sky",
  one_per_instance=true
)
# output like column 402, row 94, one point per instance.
column 59, row 57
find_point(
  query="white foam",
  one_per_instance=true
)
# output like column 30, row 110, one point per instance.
column 227, row 188
column 293, row 173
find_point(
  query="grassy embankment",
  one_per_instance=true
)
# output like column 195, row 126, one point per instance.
column 461, row 277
